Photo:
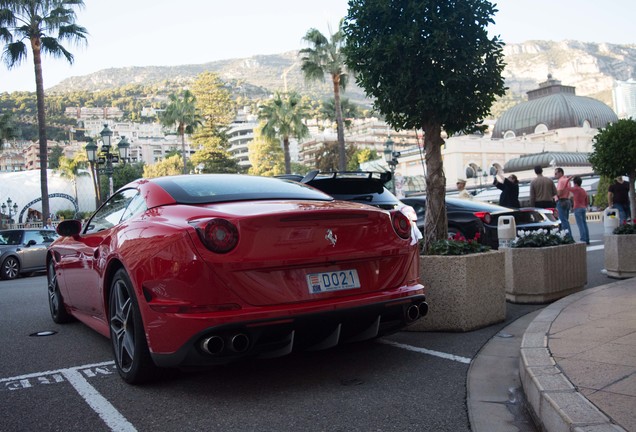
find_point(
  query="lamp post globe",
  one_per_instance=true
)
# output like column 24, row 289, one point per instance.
column 123, row 147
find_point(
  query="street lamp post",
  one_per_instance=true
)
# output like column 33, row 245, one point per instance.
column 105, row 159
column 13, row 210
column 391, row 158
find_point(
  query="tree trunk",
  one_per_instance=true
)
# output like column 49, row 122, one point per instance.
column 183, row 151
column 632, row 194
column 39, row 91
column 287, row 157
column 436, row 225
column 342, row 154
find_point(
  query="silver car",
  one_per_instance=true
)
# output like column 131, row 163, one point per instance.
column 23, row 251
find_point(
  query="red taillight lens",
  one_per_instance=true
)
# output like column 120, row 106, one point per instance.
column 401, row 224
column 219, row 235
column 484, row 216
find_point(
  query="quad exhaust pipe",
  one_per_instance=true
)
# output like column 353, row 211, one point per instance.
column 216, row 345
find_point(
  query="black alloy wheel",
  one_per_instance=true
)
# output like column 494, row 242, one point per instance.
column 59, row 314
column 128, row 339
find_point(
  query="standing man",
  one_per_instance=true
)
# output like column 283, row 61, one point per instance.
column 461, row 188
column 563, row 200
column 618, row 198
column 581, row 203
column 542, row 190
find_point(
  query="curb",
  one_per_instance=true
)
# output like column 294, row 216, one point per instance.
column 556, row 403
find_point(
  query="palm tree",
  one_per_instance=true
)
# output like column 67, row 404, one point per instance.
column 73, row 168
column 45, row 24
column 325, row 57
column 283, row 116
column 182, row 111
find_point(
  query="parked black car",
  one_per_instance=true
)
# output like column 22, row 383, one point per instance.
column 24, row 250
column 469, row 217
column 361, row 187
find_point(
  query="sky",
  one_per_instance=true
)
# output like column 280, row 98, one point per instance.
column 165, row 33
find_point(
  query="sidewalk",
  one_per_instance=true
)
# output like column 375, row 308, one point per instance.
column 577, row 361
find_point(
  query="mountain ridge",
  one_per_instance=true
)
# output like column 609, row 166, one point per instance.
column 591, row 67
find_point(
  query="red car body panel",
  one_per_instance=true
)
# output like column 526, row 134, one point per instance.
column 185, row 290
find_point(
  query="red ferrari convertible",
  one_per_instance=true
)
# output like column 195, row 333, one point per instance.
column 205, row 269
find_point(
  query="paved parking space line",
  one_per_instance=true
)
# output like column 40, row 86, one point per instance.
column 440, row 354
column 107, row 412
column 593, row 248
column 104, row 409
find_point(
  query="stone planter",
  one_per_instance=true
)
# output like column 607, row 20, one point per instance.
column 465, row 292
column 542, row 275
column 620, row 255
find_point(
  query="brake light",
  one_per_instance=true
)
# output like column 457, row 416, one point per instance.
column 484, row 216
column 219, row 235
column 401, row 224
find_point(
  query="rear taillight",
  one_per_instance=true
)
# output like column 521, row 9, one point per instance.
column 218, row 235
column 401, row 224
column 484, row 216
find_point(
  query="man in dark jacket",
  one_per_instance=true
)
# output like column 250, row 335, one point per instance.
column 509, row 190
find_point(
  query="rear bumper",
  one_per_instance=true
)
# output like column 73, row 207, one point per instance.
column 274, row 337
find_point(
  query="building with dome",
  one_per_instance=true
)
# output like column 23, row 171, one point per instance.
column 554, row 127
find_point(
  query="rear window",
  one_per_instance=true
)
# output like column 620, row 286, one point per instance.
column 211, row 188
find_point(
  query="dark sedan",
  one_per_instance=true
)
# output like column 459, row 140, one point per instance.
column 23, row 251
column 469, row 217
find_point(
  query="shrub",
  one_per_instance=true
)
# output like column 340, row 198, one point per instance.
column 541, row 238
column 458, row 245
column 626, row 228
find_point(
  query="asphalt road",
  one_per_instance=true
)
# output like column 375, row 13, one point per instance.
column 66, row 381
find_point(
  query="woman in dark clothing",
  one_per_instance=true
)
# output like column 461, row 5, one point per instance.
column 509, row 190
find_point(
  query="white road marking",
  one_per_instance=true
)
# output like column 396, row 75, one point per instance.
column 593, row 248
column 113, row 419
column 427, row 351
column 75, row 376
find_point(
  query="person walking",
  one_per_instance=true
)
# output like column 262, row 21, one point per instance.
column 618, row 198
column 581, row 202
column 563, row 200
column 509, row 190
column 542, row 190
column 461, row 188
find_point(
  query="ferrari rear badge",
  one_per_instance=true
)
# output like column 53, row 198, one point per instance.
column 331, row 237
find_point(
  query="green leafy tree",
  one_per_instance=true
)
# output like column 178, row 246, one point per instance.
column 283, row 116
column 215, row 104
column 54, row 158
column 182, row 112
column 45, row 25
column 327, row 159
column 361, row 156
column 212, row 158
column 266, row 156
column 167, row 167
column 430, row 65
column 8, row 128
column 325, row 56
column 614, row 153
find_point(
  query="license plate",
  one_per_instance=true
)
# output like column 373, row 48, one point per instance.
column 332, row 281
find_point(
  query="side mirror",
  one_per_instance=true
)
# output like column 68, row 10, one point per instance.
column 69, row 228
column 31, row 243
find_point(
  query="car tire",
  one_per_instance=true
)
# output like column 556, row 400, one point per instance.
column 59, row 314
column 127, row 335
column 10, row 268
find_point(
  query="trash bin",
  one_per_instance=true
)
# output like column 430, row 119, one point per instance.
column 506, row 230
column 610, row 220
